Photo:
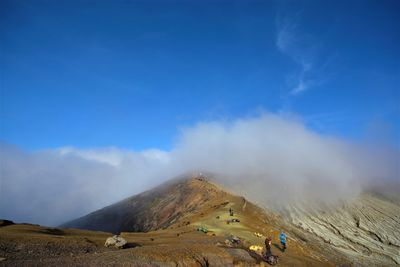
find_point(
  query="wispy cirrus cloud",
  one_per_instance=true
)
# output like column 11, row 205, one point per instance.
column 304, row 49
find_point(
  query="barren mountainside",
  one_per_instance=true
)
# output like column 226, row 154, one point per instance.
column 161, row 226
column 151, row 210
column 362, row 231
column 366, row 229
column 172, row 214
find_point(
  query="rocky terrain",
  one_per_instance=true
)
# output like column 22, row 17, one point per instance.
column 366, row 229
column 171, row 216
column 187, row 222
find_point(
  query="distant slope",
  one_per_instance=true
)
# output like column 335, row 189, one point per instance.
column 366, row 229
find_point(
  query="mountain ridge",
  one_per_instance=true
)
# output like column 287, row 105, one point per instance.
column 196, row 201
column 152, row 209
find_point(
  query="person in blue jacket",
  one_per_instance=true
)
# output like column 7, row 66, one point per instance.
column 282, row 237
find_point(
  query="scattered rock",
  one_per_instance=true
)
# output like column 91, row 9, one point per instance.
column 2, row 259
column 271, row 259
column 232, row 241
column 235, row 240
column 115, row 241
column 228, row 243
column 232, row 221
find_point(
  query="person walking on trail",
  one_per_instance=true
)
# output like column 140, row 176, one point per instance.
column 268, row 245
column 230, row 211
column 267, row 256
column 282, row 238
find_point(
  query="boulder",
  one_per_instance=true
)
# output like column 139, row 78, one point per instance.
column 115, row 241
column 232, row 241
column 235, row 239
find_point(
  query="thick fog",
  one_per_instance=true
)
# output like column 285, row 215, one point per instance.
column 273, row 160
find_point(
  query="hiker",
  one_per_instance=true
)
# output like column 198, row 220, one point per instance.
column 231, row 211
column 267, row 256
column 282, row 237
column 268, row 245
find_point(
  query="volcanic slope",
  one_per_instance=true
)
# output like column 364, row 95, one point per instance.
column 365, row 229
column 163, row 224
column 155, row 209
column 362, row 231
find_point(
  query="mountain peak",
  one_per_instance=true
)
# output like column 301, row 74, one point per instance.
column 154, row 209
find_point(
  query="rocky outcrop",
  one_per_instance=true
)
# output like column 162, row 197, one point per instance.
column 366, row 230
column 115, row 241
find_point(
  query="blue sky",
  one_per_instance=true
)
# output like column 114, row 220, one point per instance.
column 130, row 73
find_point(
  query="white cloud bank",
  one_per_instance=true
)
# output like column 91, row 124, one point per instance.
column 270, row 158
